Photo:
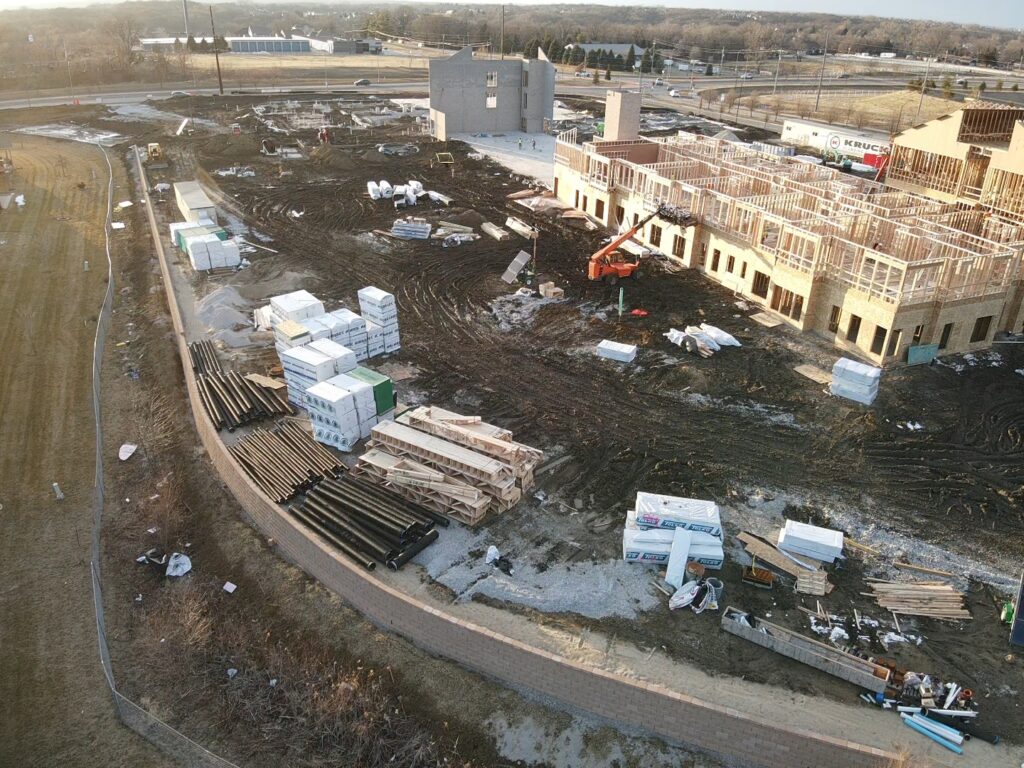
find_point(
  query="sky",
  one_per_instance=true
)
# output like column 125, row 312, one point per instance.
column 996, row 13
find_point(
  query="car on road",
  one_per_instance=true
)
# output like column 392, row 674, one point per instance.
column 658, row 82
column 747, row 76
column 582, row 73
column 180, row 93
column 674, row 93
column 362, row 81
column 842, row 76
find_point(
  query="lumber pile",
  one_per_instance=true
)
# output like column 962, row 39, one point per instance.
column 284, row 461
column 449, row 463
column 931, row 599
column 804, row 569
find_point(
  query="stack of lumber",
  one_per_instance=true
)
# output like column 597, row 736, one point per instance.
column 449, row 463
column 285, row 461
column 931, row 599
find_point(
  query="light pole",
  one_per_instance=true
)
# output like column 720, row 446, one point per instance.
column 778, row 66
column 821, row 74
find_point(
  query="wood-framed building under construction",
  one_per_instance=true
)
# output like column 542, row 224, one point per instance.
column 875, row 269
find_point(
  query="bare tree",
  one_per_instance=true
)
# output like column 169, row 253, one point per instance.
column 803, row 108
column 754, row 102
column 830, row 112
column 123, row 32
column 859, row 118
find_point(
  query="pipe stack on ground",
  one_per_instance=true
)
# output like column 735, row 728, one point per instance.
column 284, row 462
column 203, row 356
column 368, row 523
column 232, row 400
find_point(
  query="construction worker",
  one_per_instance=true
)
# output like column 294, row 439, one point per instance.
column 520, row 140
column 534, row 145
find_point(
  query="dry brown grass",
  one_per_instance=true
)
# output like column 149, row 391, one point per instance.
column 905, row 758
column 882, row 111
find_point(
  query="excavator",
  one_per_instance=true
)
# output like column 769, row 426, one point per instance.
column 608, row 266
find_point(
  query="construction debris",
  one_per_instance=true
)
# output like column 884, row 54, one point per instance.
column 520, row 227
column 285, row 461
column 861, row 672
column 368, row 523
column 495, row 231
column 550, row 291
column 411, row 228
column 518, row 263
column 704, row 340
column 930, row 599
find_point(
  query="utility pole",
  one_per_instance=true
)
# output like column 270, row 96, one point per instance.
column 721, row 67
column 821, row 74
column 778, row 66
column 216, row 52
column 502, row 38
column 71, row 87
column 924, row 84
column 184, row 10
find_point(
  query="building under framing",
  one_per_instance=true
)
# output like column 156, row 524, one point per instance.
column 973, row 156
column 876, row 270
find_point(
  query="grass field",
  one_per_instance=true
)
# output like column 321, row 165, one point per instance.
column 57, row 709
column 889, row 111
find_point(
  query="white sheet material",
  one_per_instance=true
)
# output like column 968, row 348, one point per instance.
column 661, row 511
column 676, row 571
column 178, row 565
column 811, row 541
column 720, row 337
column 613, row 350
column 696, row 537
column 651, row 546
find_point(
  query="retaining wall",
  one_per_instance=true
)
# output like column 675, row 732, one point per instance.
column 646, row 706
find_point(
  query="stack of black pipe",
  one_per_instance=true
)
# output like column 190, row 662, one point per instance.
column 204, row 357
column 368, row 523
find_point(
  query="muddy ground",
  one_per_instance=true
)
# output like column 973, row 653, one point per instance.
column 741, row 428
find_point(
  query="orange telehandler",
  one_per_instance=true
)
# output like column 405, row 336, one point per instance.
column 608, row 266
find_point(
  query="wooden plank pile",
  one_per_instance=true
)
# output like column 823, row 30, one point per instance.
column 932, row 599
column 284, row 461
column 810, row 578
column 454, row 464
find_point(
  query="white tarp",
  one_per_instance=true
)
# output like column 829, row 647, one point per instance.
column 125, row 451
column 178, row 565
column 661, row 511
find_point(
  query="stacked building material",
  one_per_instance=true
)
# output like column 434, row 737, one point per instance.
column 380, row 308
column 454, row 464
column 332, row 412
column 495, row 231
column 284, row 461
column 383, row 392
column 613, row 350
column 649, row 533
column 368, row 523
column 523, row 459
column 811, row 541
column 410, row 228
column 297, row 306
column 193, row 202
column 305, row 366
column 920, row 598
column 230, row 399
column 855, row 381
column 203, row 357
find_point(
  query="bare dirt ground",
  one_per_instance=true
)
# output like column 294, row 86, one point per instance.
column 57, row 707
column 743, row 428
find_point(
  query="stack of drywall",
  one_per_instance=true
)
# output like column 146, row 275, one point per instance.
column 822, row 544
column 297, row 306
column 223, row 253
column 289, row 334
column 180, row 229
column 409, row 228
column 383, row 391
column 349, row 329
column 379, row 307
column 197, row 248
column 451, row 463
column 613, row 350
column 193, row 202
column 362, row 394
column 344, row 358
column 305, row 366
column 332, row 412
column 374, row 339
column 855, row 381
column 649, row 531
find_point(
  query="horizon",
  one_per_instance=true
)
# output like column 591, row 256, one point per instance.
column 998, row 14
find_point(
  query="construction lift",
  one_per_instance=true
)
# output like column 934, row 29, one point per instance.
column 608, row 266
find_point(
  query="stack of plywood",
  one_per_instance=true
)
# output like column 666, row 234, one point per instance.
column 934, row 600
column 454, row 464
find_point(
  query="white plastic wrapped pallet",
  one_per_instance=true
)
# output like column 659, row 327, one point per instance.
column 697, row 537
column 373, row 189
column 661, row 511
column 613, row 350
column 297, row 305
column 811, row 540
column 362, row 394
column 344, row 358
column 386, row 190
column 308, row 362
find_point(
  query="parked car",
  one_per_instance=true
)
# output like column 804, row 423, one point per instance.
column 658, row 81
column 747, row 76
column 674, row 93
column 362, row 81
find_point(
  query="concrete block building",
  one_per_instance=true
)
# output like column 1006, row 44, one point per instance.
column 885, row 274
column 472, row 95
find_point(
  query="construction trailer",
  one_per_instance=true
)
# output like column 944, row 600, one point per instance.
column 880, row 272
column 837, row 140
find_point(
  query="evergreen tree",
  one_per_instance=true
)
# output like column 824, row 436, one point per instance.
column 191, row 43
column 630, row 59
column 608, row 73
column 530, row 50
column 597, row 76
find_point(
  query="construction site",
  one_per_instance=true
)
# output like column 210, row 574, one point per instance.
column 689, row 437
